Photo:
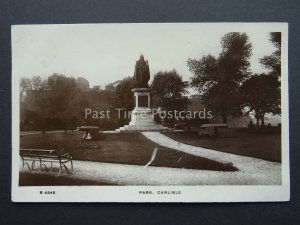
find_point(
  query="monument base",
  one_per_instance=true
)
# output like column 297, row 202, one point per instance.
column 142, row 118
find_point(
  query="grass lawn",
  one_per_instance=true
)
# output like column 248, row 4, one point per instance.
column 125, row 148
column 254, row 144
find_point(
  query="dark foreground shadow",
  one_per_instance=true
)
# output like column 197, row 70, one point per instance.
column 36, row 179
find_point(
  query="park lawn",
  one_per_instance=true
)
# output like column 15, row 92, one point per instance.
column 124, row 148
column 257, row 145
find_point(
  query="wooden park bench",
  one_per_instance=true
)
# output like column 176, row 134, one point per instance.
column 211, row 129
column 43, row 157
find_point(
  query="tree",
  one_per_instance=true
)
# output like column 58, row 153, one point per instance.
column 218, row 80
column 60, row 92
column 261, row 96
column 124, row 95
column 168, row 85
column 169, row 88
column 52, row 99
column 57, row 103
column 206, row 73
column 25, row 84
column 109, row 87
column 32, row 102
column 273, row 62
column 37, row 83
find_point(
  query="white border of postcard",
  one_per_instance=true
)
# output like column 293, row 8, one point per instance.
column 205, row 193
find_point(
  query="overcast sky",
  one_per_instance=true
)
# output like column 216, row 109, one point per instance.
column 104, row 53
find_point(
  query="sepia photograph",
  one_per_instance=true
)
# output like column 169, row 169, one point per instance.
column 157, row 112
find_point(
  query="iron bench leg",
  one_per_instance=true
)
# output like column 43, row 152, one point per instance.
column 26, row 163
column 72, row 166
column 60, row 169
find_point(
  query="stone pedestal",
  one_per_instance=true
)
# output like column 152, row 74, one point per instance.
column 142, row 118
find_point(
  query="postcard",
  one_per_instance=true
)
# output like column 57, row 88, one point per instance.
column 150, row 112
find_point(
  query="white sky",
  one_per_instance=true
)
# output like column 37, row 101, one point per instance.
column 104, row 53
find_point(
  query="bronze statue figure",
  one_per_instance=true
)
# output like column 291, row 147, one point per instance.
column 141, row 73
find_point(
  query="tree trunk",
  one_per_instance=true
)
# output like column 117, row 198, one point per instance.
column 216, row 132
column 263, row 120
column 224, row 117
column 257, row 120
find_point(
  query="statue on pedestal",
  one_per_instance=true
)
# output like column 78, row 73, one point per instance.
column 141, row 73
column 142, row 118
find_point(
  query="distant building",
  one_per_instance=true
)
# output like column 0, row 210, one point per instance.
column 83, row 84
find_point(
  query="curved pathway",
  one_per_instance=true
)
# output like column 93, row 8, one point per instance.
column 258, row 170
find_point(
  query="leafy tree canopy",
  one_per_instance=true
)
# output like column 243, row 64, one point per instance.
column 273, row 62
column 218, row 79
column 261, row 95
column 124, row 95
column 168, row 84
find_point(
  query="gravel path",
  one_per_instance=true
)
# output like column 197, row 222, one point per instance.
column 260, row 170
column 123, row 174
